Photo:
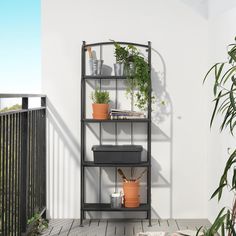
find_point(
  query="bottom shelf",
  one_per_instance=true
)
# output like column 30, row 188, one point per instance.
column 107, row 207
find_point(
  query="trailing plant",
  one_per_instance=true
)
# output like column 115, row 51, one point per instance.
column 36, row 225
column 224, row 75
column 137, row 71
column 100, row 97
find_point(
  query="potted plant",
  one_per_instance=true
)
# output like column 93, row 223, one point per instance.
column 131, row 188
column 137, row 71
column 36, row 225
column 100, row 104
column 121, row 55
column 224, row 76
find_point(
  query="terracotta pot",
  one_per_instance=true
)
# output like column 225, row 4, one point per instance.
column 131, row 193
column 132, row 204
column 100, row 111
column 100, row 116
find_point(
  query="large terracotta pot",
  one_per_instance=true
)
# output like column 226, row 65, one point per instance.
column 131, row 193
column 100, row 111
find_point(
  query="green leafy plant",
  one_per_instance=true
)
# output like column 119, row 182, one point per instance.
column 224, row 75
column 138, row 75
column 100, row 97
column 36, row 225
column 121, row 53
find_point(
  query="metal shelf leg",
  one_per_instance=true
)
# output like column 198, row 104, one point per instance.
column 81, row 218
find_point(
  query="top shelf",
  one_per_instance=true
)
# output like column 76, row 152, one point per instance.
column 112, row 43
column 104, row 77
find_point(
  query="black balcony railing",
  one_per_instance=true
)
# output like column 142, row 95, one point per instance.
column 22, row 165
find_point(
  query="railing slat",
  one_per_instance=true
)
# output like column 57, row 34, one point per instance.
column 14, row 176
column 1, row 177
column 18, row 170
column 10, row 176
column 6, row 198
column 3, row 174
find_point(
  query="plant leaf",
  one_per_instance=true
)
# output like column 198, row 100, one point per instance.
column 199, row 230
column 228, row 74
column 223, row 229
column 232, row 99
column 227, row 114
column 215, row 108
column 217, row 223
column 209, row 71
column 217, row 77
column 234, row 179
column 218, row 191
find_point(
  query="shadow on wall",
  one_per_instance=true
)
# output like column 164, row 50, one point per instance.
column 105, row 180
column 63, row 151
column 162, row 131
column 63, row 157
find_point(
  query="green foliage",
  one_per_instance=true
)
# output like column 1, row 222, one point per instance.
column 100, row 97
column 138, row 76
column 37, row 224
column 120, row 53
column 12, row 108
column 224, row 76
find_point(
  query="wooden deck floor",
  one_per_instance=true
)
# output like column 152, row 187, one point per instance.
column 119, row 228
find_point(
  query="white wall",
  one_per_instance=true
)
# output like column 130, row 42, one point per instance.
column 179, row 142
column 217, row 8
column 221, row 33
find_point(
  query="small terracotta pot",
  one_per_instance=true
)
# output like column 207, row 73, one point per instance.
column 100, row 116
column 100, row 111
column 132, row 204
column 131, row 193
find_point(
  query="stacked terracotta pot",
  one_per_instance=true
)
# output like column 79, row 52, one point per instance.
column 131, row 193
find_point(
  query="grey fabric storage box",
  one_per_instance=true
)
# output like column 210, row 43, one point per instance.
column 117, row 153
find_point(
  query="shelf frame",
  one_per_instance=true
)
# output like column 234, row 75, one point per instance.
column 107, row 207
column 104, row 77
column 85, row 121
column 112, row 43
column 142, row 120
column 93, row 164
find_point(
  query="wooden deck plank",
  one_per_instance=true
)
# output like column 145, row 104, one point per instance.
column 193, row 224
column 97, row 228
column 128, row 228
column 66, row 228
column 77, row 230
column 157, row 225
column 111, row 228
column 132, row 228
column 47, row 231
column 120, row 227
column 172, row 225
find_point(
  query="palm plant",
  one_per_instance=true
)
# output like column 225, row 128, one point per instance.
column 224, row 75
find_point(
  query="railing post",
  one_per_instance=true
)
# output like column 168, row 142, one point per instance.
column 23, row 179
column 44, row 138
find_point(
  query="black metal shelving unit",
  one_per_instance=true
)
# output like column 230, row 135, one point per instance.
column 144, row 207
